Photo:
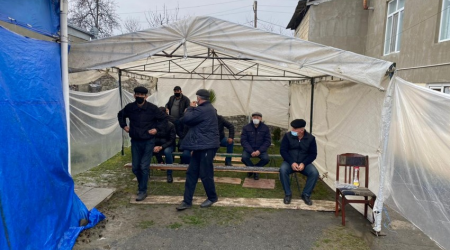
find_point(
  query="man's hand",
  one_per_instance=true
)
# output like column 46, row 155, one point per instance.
column 157, row 149
column 294, row 166
column 230, row 140
column 167, row 111
column 257, row 153
column 193, row 104
column 301, row 167
column 127, row 129
column 253, row 154
column 152, row 131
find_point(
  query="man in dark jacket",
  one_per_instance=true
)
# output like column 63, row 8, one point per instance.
column 229, row 141
column 176, row 106
column 143, row 118
column 203, row 139
column 255, row 139
column 165, row 143
column 299, row 150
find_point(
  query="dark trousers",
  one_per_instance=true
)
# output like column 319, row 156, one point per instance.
column 201, row 165
column 141, row 155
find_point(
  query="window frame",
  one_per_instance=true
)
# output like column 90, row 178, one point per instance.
column 438, row 86
column 387, row 42
column 441, row 21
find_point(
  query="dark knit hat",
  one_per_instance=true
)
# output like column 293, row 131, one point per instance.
column 163, row 109
column 177, row 88
column 203, row 93
column 256, row 114
column 141, row 90
column 298, row 123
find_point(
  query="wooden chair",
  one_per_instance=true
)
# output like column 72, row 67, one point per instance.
column 347, row 164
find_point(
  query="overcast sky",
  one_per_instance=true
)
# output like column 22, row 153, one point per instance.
column 278, row 12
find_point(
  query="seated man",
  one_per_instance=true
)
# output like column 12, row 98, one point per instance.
column 255, row 139
column 226, row 142
column 165, row 143
column 299, row 150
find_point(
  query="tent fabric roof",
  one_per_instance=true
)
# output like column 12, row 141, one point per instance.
column 190, row 46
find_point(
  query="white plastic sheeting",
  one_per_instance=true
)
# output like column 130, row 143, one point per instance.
column 200, row 35
column 416, row 158
column 94, row 130
column 346, row 119
column 88, row 76
column 236, row 97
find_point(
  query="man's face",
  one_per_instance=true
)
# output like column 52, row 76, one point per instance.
column 140, row 95
column 257, row 117
column 300, row 131
column 177, row 93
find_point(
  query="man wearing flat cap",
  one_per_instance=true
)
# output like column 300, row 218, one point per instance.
column 255, row 139
column 176, row 106
column 299, row 150
column 203, row 140
column 143, row 118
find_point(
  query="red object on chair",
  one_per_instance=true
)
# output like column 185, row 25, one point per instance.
column 347, row 163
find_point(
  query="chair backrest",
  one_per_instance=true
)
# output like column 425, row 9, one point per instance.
column 347, row 163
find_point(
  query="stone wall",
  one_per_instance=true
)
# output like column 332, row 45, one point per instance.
column 108, row 82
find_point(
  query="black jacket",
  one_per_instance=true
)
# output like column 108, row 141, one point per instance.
column 142, row 119
column 253, row 139
column 224, row 123
column 166, row 135
column 184, row 103
column 303, row 151
column 203, row 130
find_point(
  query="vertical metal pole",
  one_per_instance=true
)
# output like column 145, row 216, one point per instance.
column 312, row 106
column 121, row 104
column 255, row 10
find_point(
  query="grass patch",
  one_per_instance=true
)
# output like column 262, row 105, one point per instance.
column 175, row 225
column 338, row 238
column 146, row 224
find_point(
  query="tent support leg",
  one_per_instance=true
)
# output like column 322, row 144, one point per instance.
column 312, row 106
column 121, row 104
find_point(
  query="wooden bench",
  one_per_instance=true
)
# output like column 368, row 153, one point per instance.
column 183, row 167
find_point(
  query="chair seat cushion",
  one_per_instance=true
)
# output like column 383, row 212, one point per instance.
column 361, row 191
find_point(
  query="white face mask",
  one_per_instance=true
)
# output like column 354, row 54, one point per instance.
column 256, row 121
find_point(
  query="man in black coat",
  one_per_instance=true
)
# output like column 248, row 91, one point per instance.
column 143, row 118
column 165, row 143
column 226, row 141
column 298, row 149
column 203, row 139
column 176, row 106
column 255, row 139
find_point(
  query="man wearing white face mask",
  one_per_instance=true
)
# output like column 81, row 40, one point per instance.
column 255, row 139
column 299, row 150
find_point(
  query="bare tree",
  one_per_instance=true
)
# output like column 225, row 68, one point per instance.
column 157, row 18
column 94, row 15
column 130, row 25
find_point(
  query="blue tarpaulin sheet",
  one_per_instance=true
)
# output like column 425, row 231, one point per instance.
column 38, row 206
column 38, row 15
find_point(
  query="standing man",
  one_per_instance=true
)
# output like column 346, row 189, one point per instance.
column 165, row 143
column 226, row 142
column 203, row 139
column 299, row 150
column 176, row 106
column 255, row 139
column 143, row 118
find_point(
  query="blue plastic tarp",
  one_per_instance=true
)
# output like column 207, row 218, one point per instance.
column 38, row 15
column 38, row 206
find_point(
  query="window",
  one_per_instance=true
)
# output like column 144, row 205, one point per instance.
column 444, row 31
column 440, row 87
column 394, row 24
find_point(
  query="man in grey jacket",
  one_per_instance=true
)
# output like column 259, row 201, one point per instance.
column 203, row 139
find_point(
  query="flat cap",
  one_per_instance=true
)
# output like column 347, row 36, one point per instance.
column 256, row 114
column 141, row 89
column 298, row 123
column 203, row 92
column 177, row 88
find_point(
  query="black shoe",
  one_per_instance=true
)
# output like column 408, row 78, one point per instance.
column 307, row 200
column 183, row 206
column 228, row 164
column 287, row 199
column 250, row 174
column 169, row 178
column 141, row 196
column 256, row 177
column 207, row 203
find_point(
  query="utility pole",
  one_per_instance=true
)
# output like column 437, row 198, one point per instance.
column 255, row 10
column 96, row 20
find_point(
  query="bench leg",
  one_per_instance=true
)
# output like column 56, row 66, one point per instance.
column 298, row 183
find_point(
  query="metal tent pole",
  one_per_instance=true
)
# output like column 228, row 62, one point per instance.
column 312, row 106
column 121, row 103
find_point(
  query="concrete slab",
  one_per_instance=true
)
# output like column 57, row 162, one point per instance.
column 92, row 196
column 318, row 205
column 261, row 183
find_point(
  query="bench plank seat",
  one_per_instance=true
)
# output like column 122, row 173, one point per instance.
column 183, row 167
